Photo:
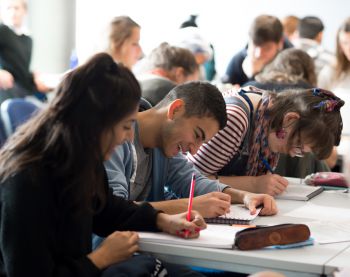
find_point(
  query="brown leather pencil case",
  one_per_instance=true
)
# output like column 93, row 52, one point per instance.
column 259, row 237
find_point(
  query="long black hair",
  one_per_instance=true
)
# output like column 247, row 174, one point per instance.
column 65, row 137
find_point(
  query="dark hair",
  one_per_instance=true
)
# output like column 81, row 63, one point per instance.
column 191, row 22
column 120, row 29
column 343, row 64
column 266, row 28
column 201, row 99
column 291, row 66
column 66, row 135
column 310, row 27
column 168, row 57
column 316, row 127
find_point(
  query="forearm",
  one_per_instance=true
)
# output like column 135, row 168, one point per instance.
column 247, row 183
column 171, row 206
column 237, row 196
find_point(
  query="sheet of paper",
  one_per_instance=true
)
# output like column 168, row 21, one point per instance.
column 323, row 213
column 330, row 231
column 215, row 236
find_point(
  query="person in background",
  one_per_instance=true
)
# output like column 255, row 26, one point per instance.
column 16, row 79
column 193, row 39
column 124, row 41
column 309, row 38
column 336, row 77
column 290, row 27
column 209, row 65
column 54, row 191
column 292, row 69
column 261, row 125
column 265, row 41
column 170, row 66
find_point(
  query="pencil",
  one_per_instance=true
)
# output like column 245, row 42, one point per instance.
column 190, row 198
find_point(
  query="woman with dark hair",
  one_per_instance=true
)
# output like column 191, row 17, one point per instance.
column 292, row 68
column 54, row 190
column 261, row 125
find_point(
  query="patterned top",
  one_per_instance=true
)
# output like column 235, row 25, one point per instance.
column 214, row 155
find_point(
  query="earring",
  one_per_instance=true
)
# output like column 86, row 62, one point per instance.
column 281, row 133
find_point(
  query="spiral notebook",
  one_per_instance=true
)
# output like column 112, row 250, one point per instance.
column 238, row 214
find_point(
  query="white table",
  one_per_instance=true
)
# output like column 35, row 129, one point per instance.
column 340, row 261
column 308, row 261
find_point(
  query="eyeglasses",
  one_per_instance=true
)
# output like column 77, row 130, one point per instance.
column 298, row 151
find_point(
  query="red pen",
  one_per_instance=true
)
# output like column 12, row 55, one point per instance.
column 190, row 200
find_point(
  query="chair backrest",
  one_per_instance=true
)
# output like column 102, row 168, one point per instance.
column 14, row 112
column 144, row 105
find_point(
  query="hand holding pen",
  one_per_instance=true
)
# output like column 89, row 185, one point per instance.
column 272, row 184
column 178, row 224
column 185, row 225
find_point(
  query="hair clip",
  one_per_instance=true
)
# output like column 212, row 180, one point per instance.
column 331, row 103
column 324, row 93
column 327, row 105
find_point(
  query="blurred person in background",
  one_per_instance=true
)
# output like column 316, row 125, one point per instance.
column 169, row 66
column 265, row 41
column 124, row 41
column 16, row 79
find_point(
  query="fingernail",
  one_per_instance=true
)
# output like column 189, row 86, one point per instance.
column 197, row 230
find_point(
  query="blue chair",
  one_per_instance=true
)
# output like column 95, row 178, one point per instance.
column 14, row 112
column 144, row 105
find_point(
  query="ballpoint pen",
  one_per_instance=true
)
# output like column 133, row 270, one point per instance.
column 267, row 165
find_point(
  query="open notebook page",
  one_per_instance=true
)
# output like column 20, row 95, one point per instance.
column 215, row 236
column 238, row 214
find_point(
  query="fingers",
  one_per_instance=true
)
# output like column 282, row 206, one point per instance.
column 133, row 238
column 252, row 207
column 281, row 180
column 199, row 221
column 186, row 233
column 270, row 206
column 278, row 189
column 268, row 202
column 276, row 184
column 222, row 196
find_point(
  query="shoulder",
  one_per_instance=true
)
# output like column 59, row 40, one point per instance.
column 5, row 30
column 240, row 56
column 24, row 185
column 121, row 152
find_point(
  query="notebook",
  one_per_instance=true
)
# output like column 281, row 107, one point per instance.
column 238, row 214
column 214, row 236
column 297, row 190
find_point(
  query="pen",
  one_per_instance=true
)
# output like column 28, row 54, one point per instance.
column 190, row 198
column 266, row 164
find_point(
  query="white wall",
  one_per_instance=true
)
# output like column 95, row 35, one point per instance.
column 224, row 22
column 52, row 26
